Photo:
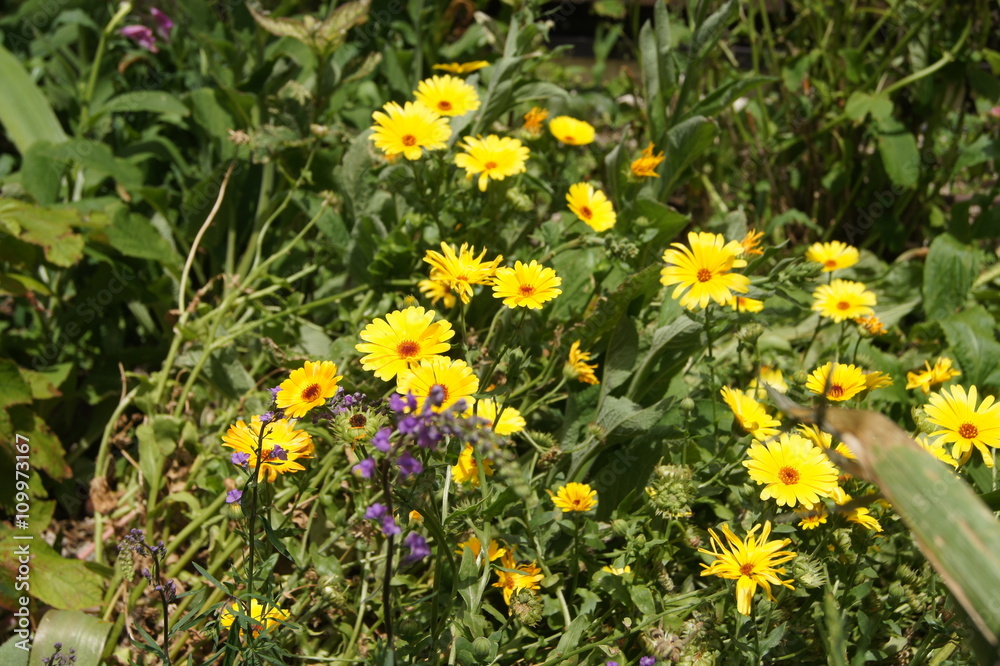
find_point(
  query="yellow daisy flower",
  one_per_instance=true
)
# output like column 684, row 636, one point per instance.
column 574, row 497
column 744, row 304
column 462, row 67
column 453, row 376
column 467, row 471
column 925, row 379
column 266, row 619
column 750, row 414
column 824, row 440
column 526, row 285
column 616, row 571
column 438, row 290
column 812, row 516
column 460, row 270
column 833, row 255
column 874, row 380
column 591, row 206
column 936, row 449
column 309, row 386
column 577, row 368
column 533, row 120
column 572, row 131
column 702, row 271
column 510, row 421
column 751, row 244
column 448, row 95
column 494, row 552
column 492, row 157
column 771, row 376
column 408, row 129
column 843, row 299
column 750, row 562
column 645, row 166
column 402, row 340
column 792, row 470
column 846, row 381
column 860, row 515
column 283, row 445
column 515, row 576
column 871, row 325
column 965, row 424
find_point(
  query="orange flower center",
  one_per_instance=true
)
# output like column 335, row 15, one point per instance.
column 746, row 569
column 586, row 212
column 407, row 348
column 843, row 305
column 526, row 290
column 788, row 476
column 968, row 431
column 490, row 166
column 830, row 263
column 409, row 140
column 704, row 275
column 836, row 391
column 311, row 392
column 444, row 105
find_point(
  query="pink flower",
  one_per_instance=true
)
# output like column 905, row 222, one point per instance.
column 142, row 36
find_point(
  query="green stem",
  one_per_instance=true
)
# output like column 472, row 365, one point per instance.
column 102, row 44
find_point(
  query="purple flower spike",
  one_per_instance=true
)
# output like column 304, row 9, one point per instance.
column 233, row 496
column 163, row 22
column 366, row 467
column 267, row 417
column 381, row 440
column 376, row 511
column 142, row 36
column 389, row 527
column 274, row 392
column 279, row 453
column 240, row 459
column 418, row 548
column 647, row 661
column 408, row 464
column 411, row 400
column 436, row 395
column 397, row 403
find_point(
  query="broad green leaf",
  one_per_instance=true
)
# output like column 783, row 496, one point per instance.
column 643, row 599
column 25, row 113
column 73, row 629
column 685, row 143
column 12, row 655
column 614, row 9
column 709, row 32
column 280, row 26
column 898, row 149
column 333, row 31
column 49, row 228
column 622, row 352
column 970, row 335
column 668, row 221
column 135, row 236
column 153, row 101
column 158, row 438
column 949, row 272
column 860, row 104
column 47, row 452
column 66, row 584
column 45, row 385
column 14, row 389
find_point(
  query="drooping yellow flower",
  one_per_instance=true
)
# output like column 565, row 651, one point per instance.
column 467, row 471
column 751, row 244
column 492, row 158
column 824, row 440
column 925, row 379
column 526, row 285
column 265, row 619
column 964, row 423
column 750, row 414
column 572, row 131
column 513, row 576
column 462, row 67
column 438, row 290
column 533, row 120
column 283, row 445
column 874, row 380
column 616, row 571
column 860, row 515
column 577, row 367
column 833, row 255
column 591, row 206
column 574, row 497
column 744, row 304
column 871, row 325
column 645, row 166
column 460, row 270
column 408, row 129
column 309, row 386
column 453, row 376
column 448, row 95
column 750, row 562
column 402, row 340
column 702, row 271
column 510, row 421
column 843, row 299
column 792, row 470
column 846, row 381
column 494, row 552
column 771, row 376
column 936, row 449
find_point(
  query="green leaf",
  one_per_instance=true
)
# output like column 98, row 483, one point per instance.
column 14, row 390
column 898, row 149
column 685, row 143
column 154, row 101
column 135, row 236
column 622, row 351
column 949, row 272
column 25, row 113
column 83, row 633
column 280, row 26
column 67, row 584
column 709, row 32
column 970, row 335
column 11, row 654
column 643, row 599
column 663, row 217
column 613, row 9
column 723, row 97
column 333, row 31
column 158, row 439
column 49, row 228
column 46, row 450
column 45, row 385
column 860, row 104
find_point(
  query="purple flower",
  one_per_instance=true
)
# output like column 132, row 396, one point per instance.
column 240, row 459
column 163, row 23
column 611, row 663
column 380, row 513
column 429, row 437
column 376, row 511
column 233, row 496
column 436, row 395
column 408, row 424
column 381, row 440
column 397, row 403
column 418, row 548
column 279, row 453
column 408, row 464
column 267, row 417
column 142, row 36
column 647, row 661
column 366, row 467
column 274, row 392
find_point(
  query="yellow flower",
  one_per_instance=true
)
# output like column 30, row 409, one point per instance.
column 874, row 380
column 533, row 120
column 574, row 497
column 792, row 469
column 645, row 166
column 925, row 379
column 824, row 440
column 771, row 376
column 448, row 95
column 871, row 324
column 454, row 377
column 846, row 381
column 833, row 255
column 860, row 515
column 965, row 424
column 510, row 422
column 591, row 206
column 265, row 619
column 416, row 517
column 750, row 562
column 495, row 551
column 936, row 449
column 462, row 67
column 309, row 386
column 459, row 271
column 616, row 571
column 812, row 516
column 438, row 290
column 750, row 414
column 701, row 271
column 526, row 285
column 843, row 299
column 577, row 368
column 402, row 340
column 751, row 244
column 492, row 157
column 744, row 304
column 572, row 131
column 516, row 577
column 409, row 129
column 282, row 446
column 467, row 471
